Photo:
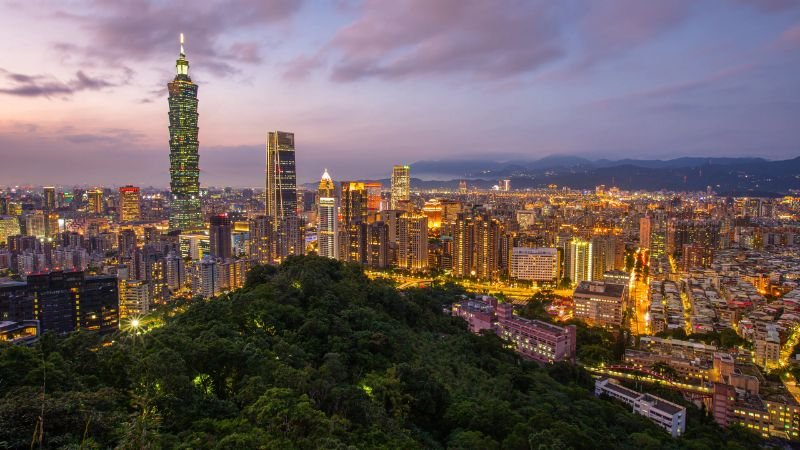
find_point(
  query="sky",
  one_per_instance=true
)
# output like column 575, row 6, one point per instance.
column 372, row 83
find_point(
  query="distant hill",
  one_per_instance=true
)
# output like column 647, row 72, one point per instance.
column 741, row 176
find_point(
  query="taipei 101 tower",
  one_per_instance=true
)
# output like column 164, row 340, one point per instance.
column 184, row 172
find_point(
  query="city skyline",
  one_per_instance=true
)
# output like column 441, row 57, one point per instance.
column 88, row 92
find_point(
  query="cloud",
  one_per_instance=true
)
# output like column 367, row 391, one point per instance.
column 771, row 6
column 407, row 38
column 139, row 29
column 22, row 85
column 790, row 38
column 610, row 28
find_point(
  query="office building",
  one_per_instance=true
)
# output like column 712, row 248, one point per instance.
column 96, row 203
column 281, row 185
column 130, row 201
column 9, row 226
column 354, row 214
column 599, row 303
column 401, row 187
column 35, row 224
column 184, row 146
column 49, row 201
column 327, row 218
column 535, row 264
column 68, row 301
column 373, row 195
column 221, row 242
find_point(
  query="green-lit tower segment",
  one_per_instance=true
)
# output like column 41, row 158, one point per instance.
column 183, row 149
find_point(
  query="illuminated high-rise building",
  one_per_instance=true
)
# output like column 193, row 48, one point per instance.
column 413, row 242
column 96, row 205
column 328, row 222
column 9, row 226
column 262, row 233
column 373, row 195
column 49, row 198
column 184, row 158
column 401, row 187
column 377, row 241
column 35, row 224
column 354, row 214
column 129, row 204
column 581, row 261
column 281, row 201
column 463, row 258
column 488, row 231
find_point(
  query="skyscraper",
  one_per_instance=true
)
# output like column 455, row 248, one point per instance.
column 401, row 187
column 354, row 214
column 96, row 205
column 413, row 242
column 129, row 204
column 262, row 232
column 49, row 198
column 183, row 149
column 220, row 236
column 327, row 228
column 581, row 261
column 281, row 176
column 373, row 195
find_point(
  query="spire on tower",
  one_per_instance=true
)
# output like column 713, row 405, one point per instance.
column 183, row 54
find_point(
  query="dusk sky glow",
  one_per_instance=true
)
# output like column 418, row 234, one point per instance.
column 367, row 84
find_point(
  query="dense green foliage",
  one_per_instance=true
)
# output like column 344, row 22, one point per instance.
column 313, row 355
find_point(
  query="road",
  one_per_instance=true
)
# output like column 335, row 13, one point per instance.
column 640, row 303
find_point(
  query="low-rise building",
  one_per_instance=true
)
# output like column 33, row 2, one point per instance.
column 665, row 414
column 600, row 303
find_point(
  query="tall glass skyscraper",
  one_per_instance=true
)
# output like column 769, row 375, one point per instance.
column 327, row 228
column 281, row 176
column 183, row 149
column 401, row 187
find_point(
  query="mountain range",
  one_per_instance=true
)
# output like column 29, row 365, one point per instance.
column 736, row 176
column 757, row 177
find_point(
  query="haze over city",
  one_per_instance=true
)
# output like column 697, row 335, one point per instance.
column 365, row 85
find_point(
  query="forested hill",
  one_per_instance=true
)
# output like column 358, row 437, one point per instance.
column 313, row 355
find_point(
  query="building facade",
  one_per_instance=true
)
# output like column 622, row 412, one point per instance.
column 184, row 169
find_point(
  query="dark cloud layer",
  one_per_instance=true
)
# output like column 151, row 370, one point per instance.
column 47, row 86
column 485, row 40
column 136, row 29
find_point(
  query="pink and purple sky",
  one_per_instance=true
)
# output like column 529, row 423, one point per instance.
column 367, row 84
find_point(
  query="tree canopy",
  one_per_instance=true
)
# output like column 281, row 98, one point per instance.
column 312, row 354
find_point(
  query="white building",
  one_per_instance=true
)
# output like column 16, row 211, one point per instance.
column 205, row 278
column 328, row 222
column 534, row 264
column 663, row 413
